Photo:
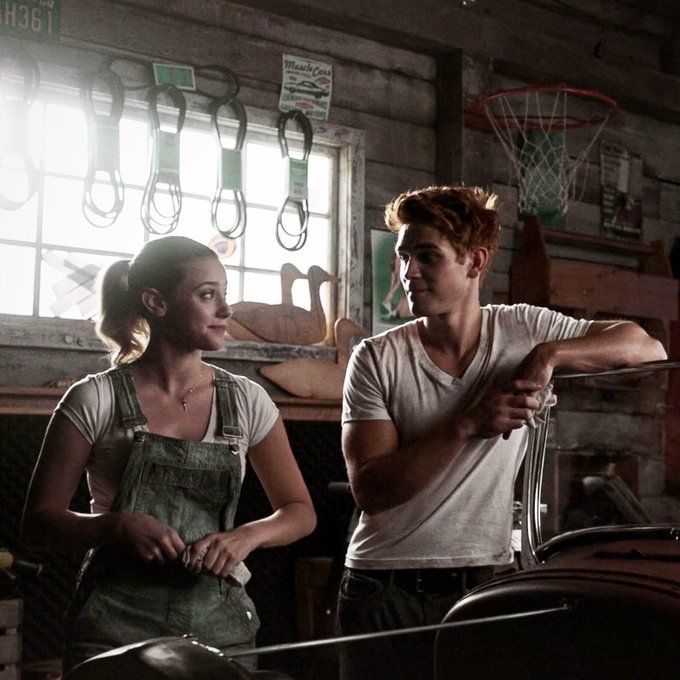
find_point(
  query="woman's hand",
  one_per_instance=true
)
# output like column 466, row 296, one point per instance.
column 218, row 553
column 148, row 538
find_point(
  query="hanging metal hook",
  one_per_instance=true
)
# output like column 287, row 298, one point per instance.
column 164, row 164
column 103, row 146
column 14, row 121
column 295, row 181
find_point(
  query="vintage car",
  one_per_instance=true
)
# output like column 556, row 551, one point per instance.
column 307, row 87
column 596, row 591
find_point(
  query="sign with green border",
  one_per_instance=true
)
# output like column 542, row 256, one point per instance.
column 180, row 75
column 34, row 19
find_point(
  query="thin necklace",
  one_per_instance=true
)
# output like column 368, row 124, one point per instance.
column 191, row 389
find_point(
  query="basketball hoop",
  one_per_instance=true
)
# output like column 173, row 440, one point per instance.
column 531, row 124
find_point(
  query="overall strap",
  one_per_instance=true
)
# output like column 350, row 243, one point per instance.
column 126, row 397
column 226, row 399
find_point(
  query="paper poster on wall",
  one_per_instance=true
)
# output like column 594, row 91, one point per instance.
column 306, row 85
column 390, row 307
column 621, row 183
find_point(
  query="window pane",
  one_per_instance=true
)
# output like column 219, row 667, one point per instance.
column 194, row 220
column 233, row 286
column 16, row 279
column 267, row 288
column 58, row 141
column 65, row 141
column 319, row 185
column 264, row 174
column 64, row 223
column 262, row 287
column 228, row 219
column 198, row 159
column 134, row 137
column 12, row 114
column 263, row 251
column 68, row 283
column 20, row 224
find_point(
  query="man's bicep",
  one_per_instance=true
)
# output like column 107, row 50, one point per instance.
column 366, row 439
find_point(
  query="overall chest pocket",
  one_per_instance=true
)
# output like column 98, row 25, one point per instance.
column 193, row 501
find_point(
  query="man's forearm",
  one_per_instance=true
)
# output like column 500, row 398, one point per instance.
column 388, row 480
column 619, row 344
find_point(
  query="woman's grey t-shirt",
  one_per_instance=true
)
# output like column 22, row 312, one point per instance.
column 89, row 405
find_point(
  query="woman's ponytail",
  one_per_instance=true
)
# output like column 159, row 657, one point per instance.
column 121, row 325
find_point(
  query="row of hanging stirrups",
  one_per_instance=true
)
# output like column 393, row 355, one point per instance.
column 104, row 151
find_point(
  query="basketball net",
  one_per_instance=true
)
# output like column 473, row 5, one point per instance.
column 532, row 125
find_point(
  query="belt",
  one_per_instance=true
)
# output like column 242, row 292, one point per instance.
column 430, row 581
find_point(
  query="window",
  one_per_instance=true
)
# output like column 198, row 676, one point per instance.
column 51, row 254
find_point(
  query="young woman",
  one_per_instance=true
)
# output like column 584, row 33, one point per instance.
column 164, row 439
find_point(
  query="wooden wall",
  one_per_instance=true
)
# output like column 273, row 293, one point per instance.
column 390, row 95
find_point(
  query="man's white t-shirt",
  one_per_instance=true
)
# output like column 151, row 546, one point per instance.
column 463, row 517
column 90, row 405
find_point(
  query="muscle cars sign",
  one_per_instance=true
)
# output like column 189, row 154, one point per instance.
column 306, row 85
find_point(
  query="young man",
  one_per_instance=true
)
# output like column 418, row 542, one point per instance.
column 434, row 429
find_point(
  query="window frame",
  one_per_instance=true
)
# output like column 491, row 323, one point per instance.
column 20, row 331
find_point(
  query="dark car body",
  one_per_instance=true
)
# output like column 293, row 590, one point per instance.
column 600, row 602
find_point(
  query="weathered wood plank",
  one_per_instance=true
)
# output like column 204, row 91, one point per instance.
column 602, row 431
column 669, row 202
column 619, row 44
column 240, row 19
column 384, row 182
column 62, row 66
column 428, row 25
column 579, row 285
column 502, row 260
column 661, row 230
column 449, row 121
column 355, row 86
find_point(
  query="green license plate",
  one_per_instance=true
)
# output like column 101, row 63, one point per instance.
column 35, row 19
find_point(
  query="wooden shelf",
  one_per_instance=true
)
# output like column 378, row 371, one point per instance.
column 42, row 400
column 592, row 289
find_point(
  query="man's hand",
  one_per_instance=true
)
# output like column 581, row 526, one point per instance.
column 502, row 410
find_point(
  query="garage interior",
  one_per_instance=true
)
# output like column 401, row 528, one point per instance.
column 407, row 78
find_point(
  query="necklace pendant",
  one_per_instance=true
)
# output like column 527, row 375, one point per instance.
column 184, row 405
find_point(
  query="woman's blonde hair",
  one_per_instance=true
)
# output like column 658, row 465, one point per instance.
column 122, row 323
column 467, row 216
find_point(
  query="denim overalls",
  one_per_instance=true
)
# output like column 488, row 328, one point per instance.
column 192, row 487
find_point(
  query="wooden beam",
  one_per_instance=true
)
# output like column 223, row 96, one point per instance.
column 449, row 121
column 518, row 49
column 42, row 401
